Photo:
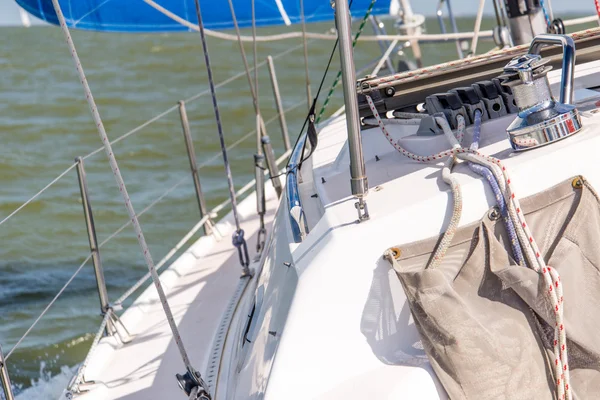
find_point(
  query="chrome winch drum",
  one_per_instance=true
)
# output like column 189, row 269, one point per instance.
column 541, row 119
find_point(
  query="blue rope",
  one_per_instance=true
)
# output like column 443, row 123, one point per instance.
column 546, row 15
column 487, row 174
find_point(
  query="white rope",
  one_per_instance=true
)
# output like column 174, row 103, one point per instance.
column 477, row 27
column 409, row 115
column 311, row 35
column 122, row 188
column 391, row 121
column 35, row 196
column 444, row 244
column 45, row 310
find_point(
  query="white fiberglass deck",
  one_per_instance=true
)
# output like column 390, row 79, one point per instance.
column 199, row 286
column 349, row 333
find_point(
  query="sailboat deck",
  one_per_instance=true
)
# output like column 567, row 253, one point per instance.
column 347, row 328
column 350, row 312
column 199, row 286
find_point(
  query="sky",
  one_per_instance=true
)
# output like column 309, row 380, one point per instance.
column 9, row 13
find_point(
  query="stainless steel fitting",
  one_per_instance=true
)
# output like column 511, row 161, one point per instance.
column 541, row 119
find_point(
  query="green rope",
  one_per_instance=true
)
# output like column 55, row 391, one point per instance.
column 339, row 74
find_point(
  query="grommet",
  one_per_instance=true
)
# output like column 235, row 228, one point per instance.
column 577, row 183
column 494, row 213
column 396, row 252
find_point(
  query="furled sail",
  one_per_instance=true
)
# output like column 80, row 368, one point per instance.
column 141, row 16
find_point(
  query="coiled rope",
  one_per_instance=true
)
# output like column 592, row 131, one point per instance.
column 534, row 256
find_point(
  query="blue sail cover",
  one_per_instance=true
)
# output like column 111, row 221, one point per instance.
column 139, row 16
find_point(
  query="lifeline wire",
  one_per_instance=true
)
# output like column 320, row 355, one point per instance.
column 121, row 184
column 45, row 310
column 35, row 196
column 238, row 239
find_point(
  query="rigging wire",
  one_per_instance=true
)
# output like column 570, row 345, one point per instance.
column 238, row 237
column 305, row 45
column 123, row 190
column 253, row 86
column 261, row 206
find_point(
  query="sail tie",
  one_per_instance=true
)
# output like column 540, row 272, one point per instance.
column 533, row 253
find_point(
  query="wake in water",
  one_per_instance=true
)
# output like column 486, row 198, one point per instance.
column 47, row 387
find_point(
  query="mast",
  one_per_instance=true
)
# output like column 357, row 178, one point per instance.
column 358, row 173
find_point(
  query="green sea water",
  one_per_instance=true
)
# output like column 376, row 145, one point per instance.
column 45, row 123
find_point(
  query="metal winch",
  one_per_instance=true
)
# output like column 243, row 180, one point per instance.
column 541, row 119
